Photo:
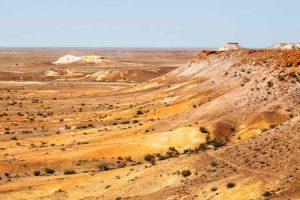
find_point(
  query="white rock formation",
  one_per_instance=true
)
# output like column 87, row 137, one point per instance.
column 285, row 46
column 91, row 59
column 67, row 59
column 229, row 46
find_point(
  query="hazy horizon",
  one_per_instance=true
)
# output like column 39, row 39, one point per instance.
column 147, row 24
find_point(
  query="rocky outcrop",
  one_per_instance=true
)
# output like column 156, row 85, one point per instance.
column 67, row 59
column 229, row 46
column 285, row 46
column 86, row 59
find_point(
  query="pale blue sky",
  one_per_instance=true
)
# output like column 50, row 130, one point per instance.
column 147, row 23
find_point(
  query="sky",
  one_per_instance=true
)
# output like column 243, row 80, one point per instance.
column 147, row 23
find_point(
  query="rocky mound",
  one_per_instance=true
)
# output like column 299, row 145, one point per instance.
column 67, row 59
column 127, row 75
column 62, row 72
column 285, row 46
column 92, row 58
column 86, row 59
column 229, row 46
column 57, row 72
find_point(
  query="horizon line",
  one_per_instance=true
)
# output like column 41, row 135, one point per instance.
column 146, row 47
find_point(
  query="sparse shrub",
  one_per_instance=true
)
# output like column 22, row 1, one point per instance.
column 270, row 83
column 186, row 173
column 49, row 170
column 135, row 121
column 267, row 194
column 185, row 151
column 69, row 171
column 139, row 112
column 36, row 173
column 172, row 152
column 119, row 158
column 81, row 127
column 14, row 138
column 230, row 185
column 104, row 167
column 273, row 125
column 121, row 164
column 207, row 138
column 213, row 189
column 203, row 130
column 202, row 147
column 20, row 114
column 214, row 164
column 264, row 130
column 188, row 151
column 162, row 157
column 128, row 158
column 215, row 142
column 91, row 125
column 150, row 158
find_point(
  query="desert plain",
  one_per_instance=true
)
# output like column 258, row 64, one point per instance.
column 89, row 123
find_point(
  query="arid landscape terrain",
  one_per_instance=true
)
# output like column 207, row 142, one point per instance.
column 168, row 124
